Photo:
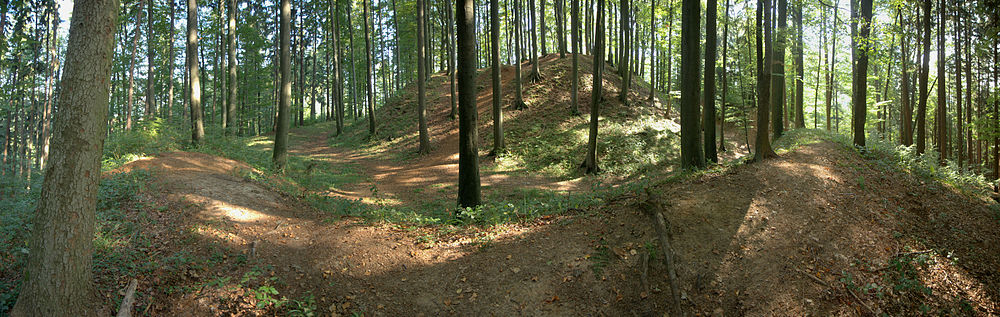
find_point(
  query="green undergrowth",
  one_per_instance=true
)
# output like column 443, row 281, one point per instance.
column 887, row 156
column 120, row 243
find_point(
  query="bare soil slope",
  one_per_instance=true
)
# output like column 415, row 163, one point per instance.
column 817, row 232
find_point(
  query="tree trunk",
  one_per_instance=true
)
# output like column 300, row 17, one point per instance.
column 778, row 72
column 131, row 69
column 575, row 39
column 231, row 105
column 58, row 274
column 623, row 46
column 170, row 63
column 692, row 155
column 536, row 74
column 197, row 124
column 468, row 157
column 711, row 49
column 518, row 57
column 924, row 73
column 764, row 57
column 497, row 92
column 800, row 120
column 590, row 163
column 652, row 52
column 541, row 20
column 725, row 81
column 960, row 150
column 150, row 53
column 906, row 108
column 831, row 79
column 425, row 143
column 369, row 71
column 280, row 153
column 451, row 64
column 941, row 115
column 859, row 104
column 561, row 26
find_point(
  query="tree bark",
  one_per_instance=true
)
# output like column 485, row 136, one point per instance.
column 575, row 39
column 194, row 92
column 370, row 70
column 906, row 108
column 941, row 116
column 58, row 273
column 711, row 49
column 692, row 155
column 800, row 120
column 280, row 153
column 231, row 104
column 924, row 73
column 590, row 163
column 150, row 54
column 763, row 149
column 469, row 195
column 497, row 92
column 778, row 72
column 623, row 46
column 859, row 104
column 425, row 143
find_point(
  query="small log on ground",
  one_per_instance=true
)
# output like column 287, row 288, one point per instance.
column 125, row 309
column 652, row 208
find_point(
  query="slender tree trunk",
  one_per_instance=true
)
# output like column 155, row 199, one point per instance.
column 370, row 70
column 131, row 69
column 778, row 72
column 194, row 92
column 960, row 150
column 725, row 81
column 231, row 105
column 425, row 143
column 764, row 58
column 623, row 45
column 800, row 120
column 906, row 111
column 451, row 64
column 590, row 163
column 711, row 49
column 497, row 92
column 831, row 79
column 541, row 37
column 652, row 52
column 58, row 278
column 150, row 54
column 941, row 116
column 924, row 73
column 171, row 60
column 575, row 39
column 561, row 26
column 519, row 35
column 337, row 79
column 670, row 56
column 536, row 74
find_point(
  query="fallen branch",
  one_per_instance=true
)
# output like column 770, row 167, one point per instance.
column 815, row 279
column 823, row 283
column 653, row 209
column 644, row 278
column 125, row 310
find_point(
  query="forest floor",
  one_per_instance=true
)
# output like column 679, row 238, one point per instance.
column 819, row 231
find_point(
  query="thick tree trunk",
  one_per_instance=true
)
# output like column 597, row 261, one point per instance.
column 859, row 104
column 692, row 155
column 58, row 277
column 469, row 195
column 194, row 92
column 280, row 153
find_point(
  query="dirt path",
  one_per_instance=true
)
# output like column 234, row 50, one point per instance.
column 784, row 237
column 423, row 179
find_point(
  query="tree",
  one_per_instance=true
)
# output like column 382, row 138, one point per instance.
column 560, row 10
column 778, row 72
column 763, row 149
column 497, row 91
column 469, row 195
column 575, row 39
column 692, row 156
column 369, row 70
column 150, row 53
column 725, row 80
column 941, row 116
column 425, row 143
column 906, row 109
column 924, row 73
column 711, row 11
column 623, row 43
column 280, row 153
column 800, row 120
column 833, row 64
column 131, row 68
column 230, row 111
column 518, row 39
column 590, row 163
column 536, row 74
column 194, row 91
column 859, row 103
column 337, row 90
column 58, row 276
